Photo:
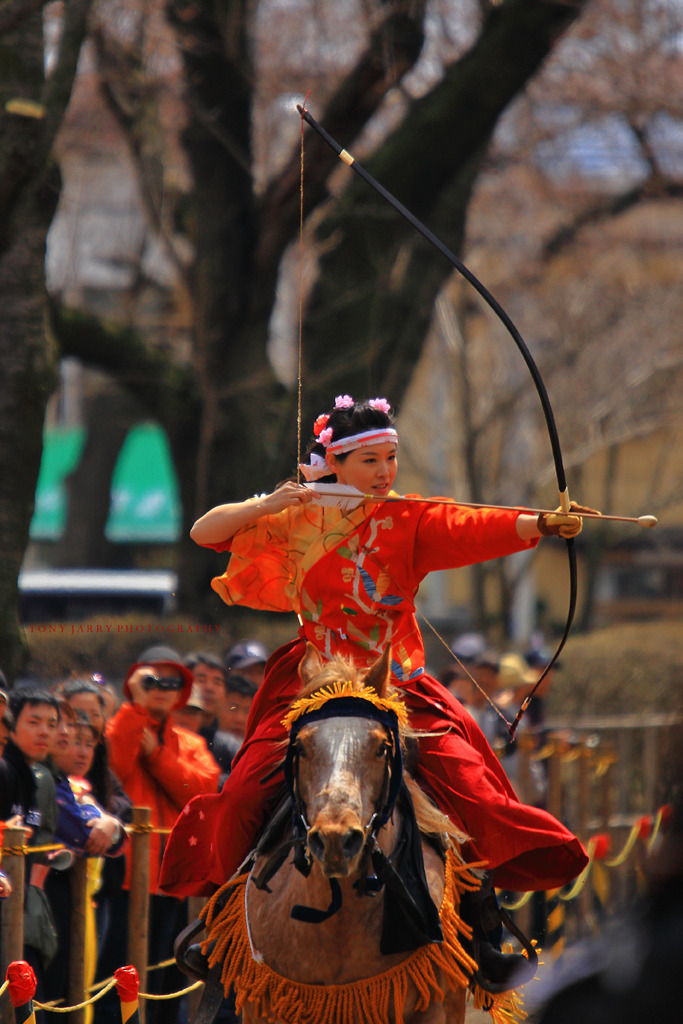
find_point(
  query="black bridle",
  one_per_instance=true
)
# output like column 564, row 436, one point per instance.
column 349, row 707
column 342, row 707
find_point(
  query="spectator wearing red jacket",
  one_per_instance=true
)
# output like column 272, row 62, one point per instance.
column 160, row 766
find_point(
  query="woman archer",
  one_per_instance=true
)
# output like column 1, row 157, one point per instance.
column 351, row 575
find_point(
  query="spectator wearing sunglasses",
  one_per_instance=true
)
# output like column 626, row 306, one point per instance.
column 159, row 766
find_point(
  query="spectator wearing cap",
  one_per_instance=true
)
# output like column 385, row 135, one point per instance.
column 467, row 647
column 232, row 720
column 478, row 687
column 160, row 766
column 516, row 682
column 208, row 673
column 248, row 658
column 190, row 715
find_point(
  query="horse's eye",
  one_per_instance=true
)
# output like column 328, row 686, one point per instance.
column 383, row 750
column 300, row 749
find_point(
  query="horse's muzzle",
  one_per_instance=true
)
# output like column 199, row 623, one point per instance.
column 336, row 851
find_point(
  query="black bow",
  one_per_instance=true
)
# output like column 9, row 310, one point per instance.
column 526, row 355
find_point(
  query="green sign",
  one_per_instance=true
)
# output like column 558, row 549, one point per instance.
column 145, row 503
column 62, row 449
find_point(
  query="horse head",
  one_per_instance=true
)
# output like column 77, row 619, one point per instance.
column 345, row 758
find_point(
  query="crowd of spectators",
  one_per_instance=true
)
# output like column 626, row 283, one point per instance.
column 74, row 759
column 492, row 686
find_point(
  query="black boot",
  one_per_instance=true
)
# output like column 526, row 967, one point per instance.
column 194, row 962
column 496, row 972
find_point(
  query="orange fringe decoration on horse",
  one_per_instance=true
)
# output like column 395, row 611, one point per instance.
column 369, row 999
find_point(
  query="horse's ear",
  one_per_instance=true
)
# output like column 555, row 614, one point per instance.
column 310, row 665
column 380, row 670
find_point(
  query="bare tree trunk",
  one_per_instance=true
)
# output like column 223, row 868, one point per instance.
column 109, row 415
column 29, row 189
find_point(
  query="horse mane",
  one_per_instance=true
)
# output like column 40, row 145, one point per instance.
column 338, row 669
column 431, row 821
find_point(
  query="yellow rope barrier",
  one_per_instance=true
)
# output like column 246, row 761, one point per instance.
column 54, row 1008
column 162, row 963
column 3, row 987
column 615, row 862
column 580, row 882
column 655, row 829
column 603, row 764
column 517, row 904
column 79, row 1006
column 170, row 995
column 544, row 753
column 25, row 851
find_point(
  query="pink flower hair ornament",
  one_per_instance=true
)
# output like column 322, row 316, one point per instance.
column 380, row 404
column 343, row 402
column 325, row 436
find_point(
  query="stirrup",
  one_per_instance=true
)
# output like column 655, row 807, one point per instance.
column 188, row 955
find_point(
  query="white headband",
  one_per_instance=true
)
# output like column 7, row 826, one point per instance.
column 380, row 435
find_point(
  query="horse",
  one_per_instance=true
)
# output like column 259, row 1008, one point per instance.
column 338, row 923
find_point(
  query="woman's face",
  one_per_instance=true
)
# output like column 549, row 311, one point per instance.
column 371, row 470
column 90, row 704
column 83, row 751
column 62, row 749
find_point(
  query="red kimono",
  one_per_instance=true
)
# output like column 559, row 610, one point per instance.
column 352, row 578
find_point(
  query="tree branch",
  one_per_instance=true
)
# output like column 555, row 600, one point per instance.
column 373, row 301
column 392, row 51
column 148, row 374
column 607, row 208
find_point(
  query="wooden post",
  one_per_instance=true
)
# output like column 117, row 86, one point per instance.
column 652, row 741
column 583, row 791
column 79, row 895
column 14, row 866
column 624, row 766
column 606, row 792
column 555, row 781
column 583, row 787
column 138, row 907
column 525, row 747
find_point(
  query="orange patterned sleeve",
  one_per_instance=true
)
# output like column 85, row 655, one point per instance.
column 261, row 571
